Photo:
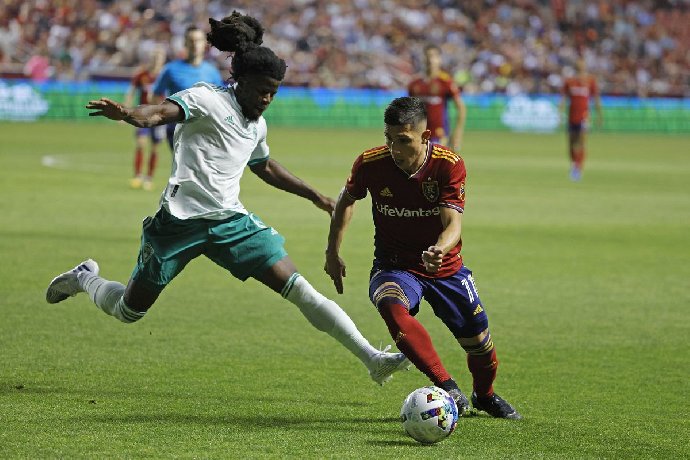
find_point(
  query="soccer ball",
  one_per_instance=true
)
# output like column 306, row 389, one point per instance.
column 429, row 415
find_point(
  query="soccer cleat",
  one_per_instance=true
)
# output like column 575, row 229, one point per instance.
column 135, row 182
column 147, row 185
column 66, row 285
column 461, row 401
column 383, row 364
column 575, row 174
column 495, row 406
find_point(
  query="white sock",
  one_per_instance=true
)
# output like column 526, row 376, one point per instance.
column 326, row 316
column 108, row 296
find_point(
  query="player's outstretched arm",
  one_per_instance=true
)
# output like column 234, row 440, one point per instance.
column 142, row 116
column 275, row 174
column 335, row 266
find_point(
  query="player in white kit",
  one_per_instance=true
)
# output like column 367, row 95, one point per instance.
column 220, row 131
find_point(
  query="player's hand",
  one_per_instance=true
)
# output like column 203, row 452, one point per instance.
column 335, row 267
column 432, row 259
column 325, row 203
column 105, row 107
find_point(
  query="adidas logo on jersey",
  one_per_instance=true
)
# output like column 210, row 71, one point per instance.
column 253, row 132
column 386, row 192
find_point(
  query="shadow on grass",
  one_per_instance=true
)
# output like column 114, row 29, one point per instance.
column 398, row 443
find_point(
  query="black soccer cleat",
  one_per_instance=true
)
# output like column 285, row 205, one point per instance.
column 461, row 401
column 495, row 406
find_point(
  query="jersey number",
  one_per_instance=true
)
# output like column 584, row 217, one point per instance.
column 470, row 287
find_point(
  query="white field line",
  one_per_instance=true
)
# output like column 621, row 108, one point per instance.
column 63, row 162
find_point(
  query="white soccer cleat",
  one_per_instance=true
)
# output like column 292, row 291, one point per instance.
column 383, row 365
column 66, row 285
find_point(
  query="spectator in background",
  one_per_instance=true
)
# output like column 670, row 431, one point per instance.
column 436, row 88
column 639, row 47
column 184, row 73
column 9, row 36
column 577, row 91
column 140, row 89
column 38, row 67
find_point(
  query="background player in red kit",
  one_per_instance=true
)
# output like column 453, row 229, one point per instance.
column 140, row 93
column 578, row 90
column 436, row 88
column 417, row 191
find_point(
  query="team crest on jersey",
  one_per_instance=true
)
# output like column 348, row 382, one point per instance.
column 146, row 253
column 430, row 190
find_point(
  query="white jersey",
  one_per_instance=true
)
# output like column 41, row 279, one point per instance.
column 212, row 147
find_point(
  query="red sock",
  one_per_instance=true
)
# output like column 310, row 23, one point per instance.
column 483, row 369
column 138, row 160
column 580, row 158
column 153, row 158
column 413, row 340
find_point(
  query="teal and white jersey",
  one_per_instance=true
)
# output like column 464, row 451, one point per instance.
column 212, row 147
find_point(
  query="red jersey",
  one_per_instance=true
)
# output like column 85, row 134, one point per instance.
column 406, row 209
column 578, row 90
column 142, row 83
column 435, row 92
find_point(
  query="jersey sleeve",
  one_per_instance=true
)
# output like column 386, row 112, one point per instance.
column 261, row 152
column 356, row 184
column 194, row 101
column 453, row 89
column 453, row 191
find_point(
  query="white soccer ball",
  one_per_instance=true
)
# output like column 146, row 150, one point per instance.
column 429, row 415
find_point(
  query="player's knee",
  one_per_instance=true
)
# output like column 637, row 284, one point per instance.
column 389, row 295
column 127, row 314
column 480, row 344
column 139, row 297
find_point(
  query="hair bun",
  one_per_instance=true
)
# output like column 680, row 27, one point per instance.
column 235, row 33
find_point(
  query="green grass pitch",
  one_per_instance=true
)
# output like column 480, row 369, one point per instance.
column 587, row 286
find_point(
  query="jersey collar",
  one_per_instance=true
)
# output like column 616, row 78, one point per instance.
column 233, row 97
column 426, row 160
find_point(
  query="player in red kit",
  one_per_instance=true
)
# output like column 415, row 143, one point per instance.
column 437, row 88
column 140, row 90
column 578, row 90
column 417, row 192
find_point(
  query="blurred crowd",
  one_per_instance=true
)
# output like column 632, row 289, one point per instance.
column 634, row 47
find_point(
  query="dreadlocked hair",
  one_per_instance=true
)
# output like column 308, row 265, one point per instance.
column 243, row 36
